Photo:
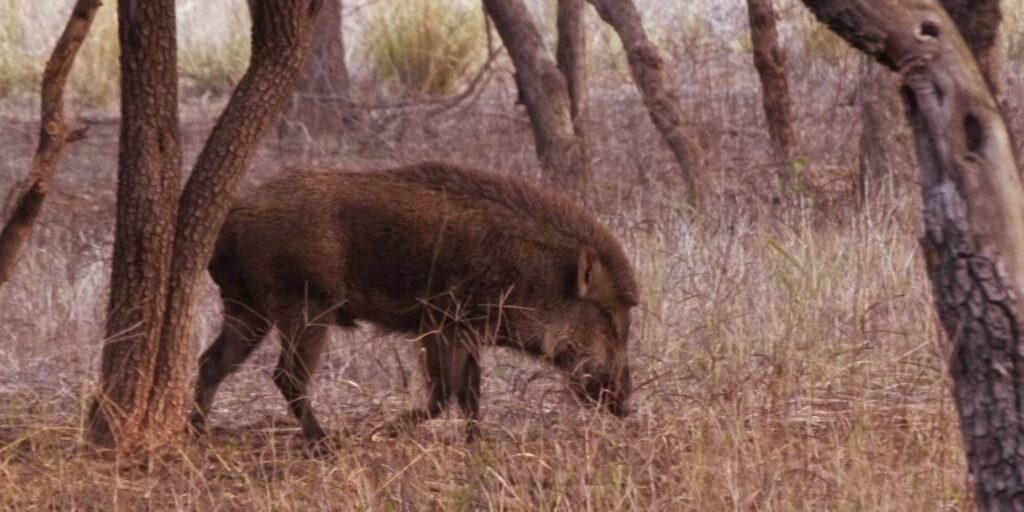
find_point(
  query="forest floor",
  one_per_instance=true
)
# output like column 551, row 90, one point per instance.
column 786, row 354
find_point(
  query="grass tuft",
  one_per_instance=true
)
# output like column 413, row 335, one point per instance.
column 424, row 47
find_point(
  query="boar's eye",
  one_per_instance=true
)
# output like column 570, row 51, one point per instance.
column 606, row 313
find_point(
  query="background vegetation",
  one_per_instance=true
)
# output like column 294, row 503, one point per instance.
column 786, row 353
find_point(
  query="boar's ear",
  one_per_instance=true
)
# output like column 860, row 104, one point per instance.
column 592, row 280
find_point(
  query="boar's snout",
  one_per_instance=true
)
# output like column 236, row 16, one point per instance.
column 606, row 390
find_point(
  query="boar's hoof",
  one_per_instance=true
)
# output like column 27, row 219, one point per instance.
column 322, row 448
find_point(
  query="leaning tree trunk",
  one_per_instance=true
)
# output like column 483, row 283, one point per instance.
column 54, row 134
column 163, row 242
column 544, row 90
column 651, row 79
column 973, row 241
column 320, row 107
column 770, row 62
column 978, row 22
column 572, row 61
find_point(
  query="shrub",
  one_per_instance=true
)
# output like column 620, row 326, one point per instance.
column 424, row 46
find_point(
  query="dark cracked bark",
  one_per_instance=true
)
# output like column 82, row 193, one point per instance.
column 973, row 240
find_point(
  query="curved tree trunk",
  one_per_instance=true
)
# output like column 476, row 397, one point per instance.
column 650, row 77
column 544, row 90
column 163, row 242
column 320, row 107
column 54, row 134
column 770, row 62
column 973, row 240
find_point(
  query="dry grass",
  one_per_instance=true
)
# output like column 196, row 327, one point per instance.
column 786, row 356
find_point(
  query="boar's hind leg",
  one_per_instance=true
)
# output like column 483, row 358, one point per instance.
column 301, row 346
column 241, row 332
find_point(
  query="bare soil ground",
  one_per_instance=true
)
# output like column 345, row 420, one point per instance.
column 786, row 353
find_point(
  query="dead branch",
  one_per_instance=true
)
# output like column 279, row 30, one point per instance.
column 54, row 134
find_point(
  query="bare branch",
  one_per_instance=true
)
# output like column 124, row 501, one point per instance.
column 53, row 136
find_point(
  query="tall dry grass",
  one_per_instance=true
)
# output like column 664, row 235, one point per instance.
column 786, row 356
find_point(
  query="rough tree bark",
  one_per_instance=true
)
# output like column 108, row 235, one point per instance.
column 163, row 243
column 572, row 61
column 770, row 62
column 54, row 134
column 148, row 181
column 320, row 107
column 544, row 90
column 973, row 239
column 881, row 133
column 651, row 79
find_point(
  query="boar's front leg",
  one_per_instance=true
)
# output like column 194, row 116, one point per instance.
column 451, row 368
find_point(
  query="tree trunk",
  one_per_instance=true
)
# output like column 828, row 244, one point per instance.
column 163, row 243
column 978, row 22
column 881, row 133
column 320, row 107
column 572, row 60
column 973, row 240
column 544, row 90
column 770, row 62
column 54, row 134
column 649, row 74
column 148, row 183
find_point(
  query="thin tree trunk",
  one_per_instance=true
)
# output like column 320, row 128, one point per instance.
column 544, row 90
column 148, row 183
column 145, row 372
column 881, row 134
column 770, row 62
column 650, row 77
column 572, row 60
column 320, row 107
column 54, row 134
column 973, row 241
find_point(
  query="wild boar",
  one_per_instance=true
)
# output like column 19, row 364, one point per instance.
column 457, row 257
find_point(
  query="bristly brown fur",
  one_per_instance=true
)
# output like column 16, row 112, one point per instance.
column 455, row 256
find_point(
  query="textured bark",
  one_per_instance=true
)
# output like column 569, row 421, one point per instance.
column 544, row 90
column 54, row 134
column 163, row 242
column 148, row 181
column 321, row 106
column 651, row 79
column 572, row 60
column 882, row 133
column 770, row 62
column 973, row 239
